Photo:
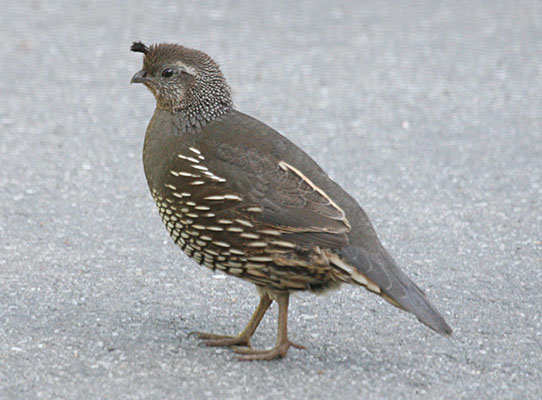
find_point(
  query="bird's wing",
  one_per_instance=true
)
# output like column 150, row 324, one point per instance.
column 284, row 196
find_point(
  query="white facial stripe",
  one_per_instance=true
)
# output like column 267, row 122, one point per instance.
column 187, row 68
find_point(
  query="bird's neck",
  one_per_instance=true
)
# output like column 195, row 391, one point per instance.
column 194, row 116
column 203, row 104
column 192, row 119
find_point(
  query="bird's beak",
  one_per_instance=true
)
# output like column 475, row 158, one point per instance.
column 139, row 77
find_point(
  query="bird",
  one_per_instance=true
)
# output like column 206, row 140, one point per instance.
column 239, row 197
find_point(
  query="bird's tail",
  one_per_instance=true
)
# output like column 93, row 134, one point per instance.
column 417, row 303
column 386, row 279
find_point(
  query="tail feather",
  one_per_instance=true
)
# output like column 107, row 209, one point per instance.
column 416, row 302
column 381, row 270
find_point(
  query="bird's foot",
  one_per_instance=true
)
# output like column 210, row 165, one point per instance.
column 213, row 340
column 279, row 351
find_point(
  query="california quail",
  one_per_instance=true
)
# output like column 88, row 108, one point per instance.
column 239, row 197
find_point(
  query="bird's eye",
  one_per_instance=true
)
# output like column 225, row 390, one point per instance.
column 167, row 72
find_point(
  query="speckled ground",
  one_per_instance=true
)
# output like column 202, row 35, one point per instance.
column 429, row 113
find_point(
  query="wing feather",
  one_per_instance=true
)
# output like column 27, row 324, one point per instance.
column 289, row 200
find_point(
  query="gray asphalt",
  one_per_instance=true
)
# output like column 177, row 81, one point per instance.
column 429, row 113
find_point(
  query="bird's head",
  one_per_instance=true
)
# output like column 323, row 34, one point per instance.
column 183, row 80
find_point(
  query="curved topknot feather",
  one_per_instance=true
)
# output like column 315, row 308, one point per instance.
column 139, row 47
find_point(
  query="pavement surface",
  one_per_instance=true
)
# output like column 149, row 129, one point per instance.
column 429, row 113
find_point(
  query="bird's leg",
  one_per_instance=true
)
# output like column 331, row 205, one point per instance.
column 243, row 339
column 283, row 343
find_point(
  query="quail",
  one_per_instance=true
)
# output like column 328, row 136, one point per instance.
column 239, row 197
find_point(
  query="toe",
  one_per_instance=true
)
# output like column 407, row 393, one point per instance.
column 207, row 335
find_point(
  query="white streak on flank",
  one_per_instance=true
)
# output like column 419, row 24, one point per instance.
column 200, row 167
column 232, row 197
column 255, row 209
column 360, row 279
column 192, row 233
column 233, row 264
column 182, row 173
column 248, row 235
column 174, row 173
column 236, row 252
column 194, row 150
column 211, row 252
column 354, row 274
column 283, row 243
column 260, row 259
column 234, row 229
column 253, row 266
column 209, row 265
column 190, row 203
column 192, row 215
column 205, row 237
column 336, row 260
column 170, row 186
column 373, row 288
column 202, row 208
column 244, row 222
column 209, row 215
column 201, row 157
column 186, row 194
column 271, row 232
column 198, row 227
column 178, row 195
column 214, row 177
column 235, row 271
column 214, row 198
column 215, row 228
column 221, row 244
column 225, row 221
column 191, row 159
column 196, row 183
column 257, row 244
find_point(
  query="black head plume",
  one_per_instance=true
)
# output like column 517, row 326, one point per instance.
column 139, row 47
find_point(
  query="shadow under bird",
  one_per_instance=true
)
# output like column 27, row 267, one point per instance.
column 239, row 197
